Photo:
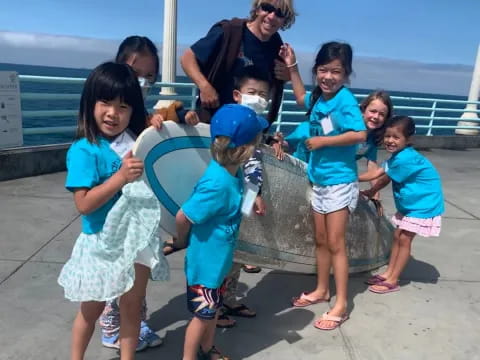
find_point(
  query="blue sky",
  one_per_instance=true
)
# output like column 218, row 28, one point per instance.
column 396, row 38
column 435, row 31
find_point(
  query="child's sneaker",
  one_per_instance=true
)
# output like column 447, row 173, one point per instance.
column 113, row 343
column 149, row 336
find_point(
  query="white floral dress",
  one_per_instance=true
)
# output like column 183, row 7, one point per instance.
column 101, row 266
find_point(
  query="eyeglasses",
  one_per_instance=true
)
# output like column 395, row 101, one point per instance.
column 270, row 8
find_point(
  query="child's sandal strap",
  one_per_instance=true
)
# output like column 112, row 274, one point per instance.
column 214, row 351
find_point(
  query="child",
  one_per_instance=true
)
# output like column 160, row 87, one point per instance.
column 376, row 108
column 336, row 126
column 111, row 103
column 417, row 191
column 211, row 218
column 251, row 89
column 141, row 54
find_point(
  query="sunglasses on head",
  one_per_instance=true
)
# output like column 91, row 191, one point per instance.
column 270, row 8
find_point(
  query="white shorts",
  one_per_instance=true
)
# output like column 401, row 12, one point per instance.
column 331, row 198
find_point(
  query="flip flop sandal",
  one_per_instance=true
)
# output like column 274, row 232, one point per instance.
column 303, row 300
column 374, row 280
column 226, row 318
column 251, row 270
column 389, row 288
column 338, row 320
column 241, row 310
column 208, row 355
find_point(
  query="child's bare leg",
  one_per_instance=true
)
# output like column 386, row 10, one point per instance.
column 199, row 331
column 393, row 254
column 208, row 338
column 130, row 313
column 404, row 250
column 336, row 227
column 83, row 327
column 323, row 258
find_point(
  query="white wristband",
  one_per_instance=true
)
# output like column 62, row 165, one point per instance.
column 292, row 65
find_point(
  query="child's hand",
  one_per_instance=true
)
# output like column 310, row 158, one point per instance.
column 281, row 71
column 367, row 193
column 279, row 153
column 156, row 121
column 287, row 54
column 314, row 143
column 191, row 118
column 279, row 137
column 378, row 206
column 131, row 169
column 259, row 206
column 279, row 145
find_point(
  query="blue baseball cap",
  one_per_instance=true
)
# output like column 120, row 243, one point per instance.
column 240, row 123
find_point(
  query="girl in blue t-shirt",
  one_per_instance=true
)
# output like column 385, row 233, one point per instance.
column 335, row 128
column 376, row 108
column 417, row 191
column 111, row 113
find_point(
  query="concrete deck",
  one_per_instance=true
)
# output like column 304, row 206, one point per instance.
column 434, row 315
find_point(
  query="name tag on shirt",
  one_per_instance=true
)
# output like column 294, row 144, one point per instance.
column 122, row 144
column 327, row 125
column 385, row 166
column 250, row 192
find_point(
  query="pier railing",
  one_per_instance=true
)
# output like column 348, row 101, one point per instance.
column 433, row 115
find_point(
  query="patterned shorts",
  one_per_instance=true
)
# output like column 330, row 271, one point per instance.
column 203, row 302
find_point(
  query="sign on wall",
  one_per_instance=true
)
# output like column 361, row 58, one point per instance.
column 11, row 134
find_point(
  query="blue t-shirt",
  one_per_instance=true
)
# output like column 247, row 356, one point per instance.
column 416, row 184
column 297, row 139
column 334, row 165
column 368, row 149
column 253, row 51
column 89, row 165
column 214, row 210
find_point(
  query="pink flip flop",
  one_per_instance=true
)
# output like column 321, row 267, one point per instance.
column 389, row 288
column 338, row 320
column 374, row 280
column 303, row 300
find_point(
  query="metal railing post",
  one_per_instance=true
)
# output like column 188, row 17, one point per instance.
column 279, row 116
column 194, row 98
column 432, row 116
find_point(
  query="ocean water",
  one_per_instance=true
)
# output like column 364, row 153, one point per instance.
column 26, row 86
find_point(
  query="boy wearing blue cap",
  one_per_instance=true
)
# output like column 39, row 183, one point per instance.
column 210, row 219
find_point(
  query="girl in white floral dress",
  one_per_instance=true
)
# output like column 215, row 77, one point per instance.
column 115, row 254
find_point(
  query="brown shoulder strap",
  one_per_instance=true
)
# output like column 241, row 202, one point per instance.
column 223, row 63
column 232, row 38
